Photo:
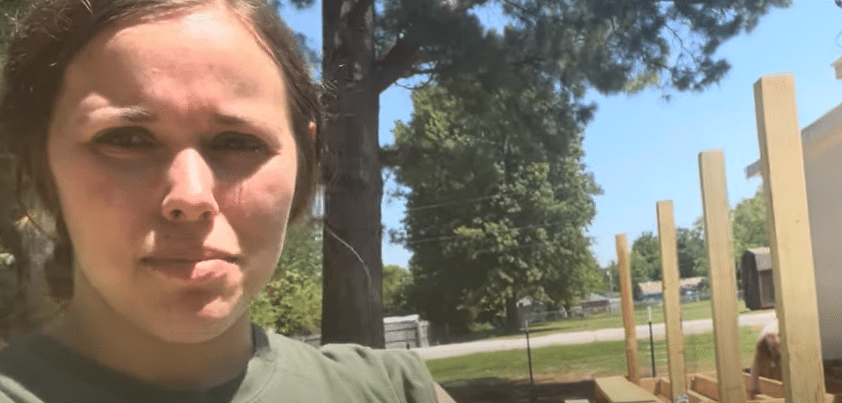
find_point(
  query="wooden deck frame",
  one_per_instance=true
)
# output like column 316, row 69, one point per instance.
column 783, row 172
column 632, row 363
column 723, row 282
column 671, row 291
column 782, row 164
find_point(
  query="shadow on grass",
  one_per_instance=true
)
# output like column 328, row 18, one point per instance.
column 494, row 390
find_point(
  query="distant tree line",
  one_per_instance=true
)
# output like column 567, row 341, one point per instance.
column 748, row 226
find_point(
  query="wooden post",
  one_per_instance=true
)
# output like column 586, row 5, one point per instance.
column 628, row 309
column 672, row 304
column 723, row 280
column 789, row 236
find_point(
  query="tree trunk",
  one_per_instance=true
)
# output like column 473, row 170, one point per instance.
column 352, row 304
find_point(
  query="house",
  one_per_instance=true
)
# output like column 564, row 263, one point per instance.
column 649, row 290
column 822, row 148
column 595, row 303
column 653, row 290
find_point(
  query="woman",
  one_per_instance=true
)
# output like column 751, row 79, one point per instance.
column 173, row 141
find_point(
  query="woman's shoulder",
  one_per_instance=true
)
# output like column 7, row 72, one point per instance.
column 360, row 369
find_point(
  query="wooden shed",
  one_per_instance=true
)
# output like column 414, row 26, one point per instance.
column 758, row 278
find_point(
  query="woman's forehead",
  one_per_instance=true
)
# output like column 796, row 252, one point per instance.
column 203, row 59
column 184, row 48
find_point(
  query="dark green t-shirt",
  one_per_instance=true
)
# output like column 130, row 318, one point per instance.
column 35, row 368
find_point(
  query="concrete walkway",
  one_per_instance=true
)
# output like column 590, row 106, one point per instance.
column 690, row 327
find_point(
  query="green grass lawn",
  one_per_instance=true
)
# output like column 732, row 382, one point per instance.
column 582, row 361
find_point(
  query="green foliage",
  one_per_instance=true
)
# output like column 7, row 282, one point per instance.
column 396, row 283
column 692, row 253
column 610, row 45
column 749, row 224
column 291, row 303
column 645, row 258
column 498, row 199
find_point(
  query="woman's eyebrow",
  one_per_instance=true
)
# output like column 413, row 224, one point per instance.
column 229, row 119
column 137, row 114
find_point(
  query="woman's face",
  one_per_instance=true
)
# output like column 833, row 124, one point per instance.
column 174, row 160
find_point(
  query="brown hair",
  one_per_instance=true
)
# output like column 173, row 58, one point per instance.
column 52, row 32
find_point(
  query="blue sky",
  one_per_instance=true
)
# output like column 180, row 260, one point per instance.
column 643, row 149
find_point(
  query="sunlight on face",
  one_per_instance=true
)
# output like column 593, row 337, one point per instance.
column 173, row 155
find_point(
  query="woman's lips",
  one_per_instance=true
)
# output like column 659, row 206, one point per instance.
column 191, row 271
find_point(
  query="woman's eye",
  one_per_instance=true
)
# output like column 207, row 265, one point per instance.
column 237, row 142
column 126, row 137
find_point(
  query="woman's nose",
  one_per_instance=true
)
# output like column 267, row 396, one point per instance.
column 191, row 182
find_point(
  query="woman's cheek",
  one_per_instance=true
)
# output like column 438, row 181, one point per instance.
column 259, row 215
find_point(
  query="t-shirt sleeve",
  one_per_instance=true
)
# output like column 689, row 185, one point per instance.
column 409, row 376
column 403, row 371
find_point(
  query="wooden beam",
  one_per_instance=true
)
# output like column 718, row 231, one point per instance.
column 769, row 387
column 672, row 303
column 723, row 281
column 632, row 363
column 789, row 237
column 618, row 389
column 705, row 385
column 650, row 384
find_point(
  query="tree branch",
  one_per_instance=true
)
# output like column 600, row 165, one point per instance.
column 396, row 64
column 389, row 157
column 359, row 10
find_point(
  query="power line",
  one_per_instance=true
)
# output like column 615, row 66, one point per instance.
column 452, row 202
column 447, row 237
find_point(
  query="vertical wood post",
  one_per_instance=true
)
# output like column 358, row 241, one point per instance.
column 628, row 309
column 782, row 164
column 672, row 304
column 723, row 280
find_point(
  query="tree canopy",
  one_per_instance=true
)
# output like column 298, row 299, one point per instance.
column 749, row 223
column 498, row 200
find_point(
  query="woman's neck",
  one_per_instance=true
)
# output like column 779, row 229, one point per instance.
column 93, row 329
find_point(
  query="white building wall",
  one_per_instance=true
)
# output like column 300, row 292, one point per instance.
column 823, row 172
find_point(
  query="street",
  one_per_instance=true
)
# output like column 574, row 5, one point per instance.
column 690, row 327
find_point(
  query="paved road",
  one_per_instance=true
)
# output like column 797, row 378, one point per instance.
column 689, row 327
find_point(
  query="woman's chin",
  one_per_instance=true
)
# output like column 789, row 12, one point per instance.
column 198, row 323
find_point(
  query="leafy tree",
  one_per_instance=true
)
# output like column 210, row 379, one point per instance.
column 498, row 200
column 291, row 301
column 645, row 258
column 749, row 223
column 396, row 281
column 608, row 45
column 692, row 255
column 699, row 247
